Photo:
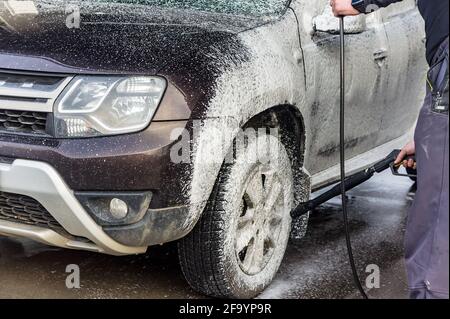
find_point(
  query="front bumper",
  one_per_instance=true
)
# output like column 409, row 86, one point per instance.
column 130, row 162
column 42, row 182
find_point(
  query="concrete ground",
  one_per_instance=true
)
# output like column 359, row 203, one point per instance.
column 314, row 267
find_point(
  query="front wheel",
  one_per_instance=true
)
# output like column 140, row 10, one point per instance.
column 236, row 248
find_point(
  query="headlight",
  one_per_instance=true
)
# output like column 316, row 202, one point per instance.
column 98, row 105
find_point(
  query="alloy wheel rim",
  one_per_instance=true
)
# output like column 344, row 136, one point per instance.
column 261, row 219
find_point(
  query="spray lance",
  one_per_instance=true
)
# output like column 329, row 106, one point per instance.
column 352, row 181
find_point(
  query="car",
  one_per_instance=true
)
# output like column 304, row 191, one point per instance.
column 127, row 124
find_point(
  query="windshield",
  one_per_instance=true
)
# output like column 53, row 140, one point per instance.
column 240, row 7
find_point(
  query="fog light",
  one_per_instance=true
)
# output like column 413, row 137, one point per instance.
column 115, row 208
column 118, row 208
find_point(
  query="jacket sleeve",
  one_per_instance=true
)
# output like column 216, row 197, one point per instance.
column 367, row 6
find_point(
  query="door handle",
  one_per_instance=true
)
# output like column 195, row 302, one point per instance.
column 380, row 56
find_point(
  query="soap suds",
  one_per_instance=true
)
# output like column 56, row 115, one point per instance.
column 275, row 75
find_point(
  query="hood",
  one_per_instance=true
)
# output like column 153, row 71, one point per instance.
column 112, row 38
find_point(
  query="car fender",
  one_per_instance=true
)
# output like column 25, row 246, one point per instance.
column 274, row 76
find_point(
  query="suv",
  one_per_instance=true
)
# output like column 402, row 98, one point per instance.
column 131, row 123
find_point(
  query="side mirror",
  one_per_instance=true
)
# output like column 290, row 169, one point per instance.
column 327, row 22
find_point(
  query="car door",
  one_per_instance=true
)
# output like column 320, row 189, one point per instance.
column 406, row 68
column 365, row 58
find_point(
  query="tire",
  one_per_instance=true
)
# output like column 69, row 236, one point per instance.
column 236, row 248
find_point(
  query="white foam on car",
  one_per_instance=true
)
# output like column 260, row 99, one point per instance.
column 272, row 74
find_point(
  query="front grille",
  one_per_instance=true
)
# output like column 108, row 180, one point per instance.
column 30, row 82
column 23, row 122
column 27, row 101
column 26, row 210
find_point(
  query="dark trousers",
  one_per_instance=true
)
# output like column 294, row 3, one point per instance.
column 427, row 235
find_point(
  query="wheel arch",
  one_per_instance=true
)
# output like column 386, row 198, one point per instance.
column 290, row 121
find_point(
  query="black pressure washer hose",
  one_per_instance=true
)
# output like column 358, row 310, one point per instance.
column 342, row 155
column 349, row 182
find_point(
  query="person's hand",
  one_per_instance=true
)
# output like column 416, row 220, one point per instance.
column 408, row 150
column 343, row 8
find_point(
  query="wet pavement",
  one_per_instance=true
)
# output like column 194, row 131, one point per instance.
column 314, row 267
